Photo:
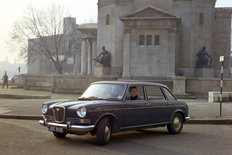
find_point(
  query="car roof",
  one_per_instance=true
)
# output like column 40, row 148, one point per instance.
column 130, row 83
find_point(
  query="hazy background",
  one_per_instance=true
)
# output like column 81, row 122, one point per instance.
column 11, row 10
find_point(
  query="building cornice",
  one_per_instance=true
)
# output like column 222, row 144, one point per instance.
column 198, row 1
column 224, row 9
column 137, row 14
column 147, row 18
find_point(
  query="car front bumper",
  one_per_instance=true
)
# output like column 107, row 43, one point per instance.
column 187, row 118
column 67, row 127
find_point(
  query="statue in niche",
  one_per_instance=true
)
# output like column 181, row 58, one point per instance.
column 104, row 58
column 204, row 60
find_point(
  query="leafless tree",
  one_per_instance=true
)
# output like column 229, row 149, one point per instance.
column 43, row 32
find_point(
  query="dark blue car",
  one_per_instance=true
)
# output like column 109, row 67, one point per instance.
column 109, row 107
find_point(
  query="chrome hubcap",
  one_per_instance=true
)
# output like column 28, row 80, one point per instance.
column 177, row 123
column 107, row 132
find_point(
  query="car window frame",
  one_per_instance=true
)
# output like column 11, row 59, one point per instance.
column 127, row 90
column 170, row 93
column 164, row 95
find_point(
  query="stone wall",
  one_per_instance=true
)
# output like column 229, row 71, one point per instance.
column 222, row 39
column 155, row 58
column 62, row 84
column 194, row 34
column 77, row 84
column 183, row 9
column 123, row 7
column 37, row 82
column 201, row 86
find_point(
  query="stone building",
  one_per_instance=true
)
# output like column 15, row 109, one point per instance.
column 158, row 39
column 89, row 48
column 41, row 65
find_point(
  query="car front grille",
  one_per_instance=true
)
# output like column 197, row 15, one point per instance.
column 59, row 114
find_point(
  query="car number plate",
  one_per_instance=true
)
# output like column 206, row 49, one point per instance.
column 56, row 129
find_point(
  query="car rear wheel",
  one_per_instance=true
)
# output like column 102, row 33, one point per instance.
column 59, row 135
column 104, row 131
column 176, row 124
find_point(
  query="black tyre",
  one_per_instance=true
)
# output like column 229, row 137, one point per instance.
column 176, row 124
column 104, row 131
column 59, row 135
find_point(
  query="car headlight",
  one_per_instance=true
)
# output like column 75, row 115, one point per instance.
column 44, row 108
column 81, row 112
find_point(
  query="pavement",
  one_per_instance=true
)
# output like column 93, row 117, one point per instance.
column 28, row 107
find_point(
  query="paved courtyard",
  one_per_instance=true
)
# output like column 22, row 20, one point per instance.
column 28, row 137
column 198, row 108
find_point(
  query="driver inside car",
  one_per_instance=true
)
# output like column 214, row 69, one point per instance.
column 134, row 93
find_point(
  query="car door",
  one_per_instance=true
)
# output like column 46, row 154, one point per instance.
column 172, row 106
column 136, row 112
column 160, row 106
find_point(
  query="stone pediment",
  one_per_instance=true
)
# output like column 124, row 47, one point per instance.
column 148, row 12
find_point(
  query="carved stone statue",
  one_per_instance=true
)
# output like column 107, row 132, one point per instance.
column 203, row 59
column 104, row 58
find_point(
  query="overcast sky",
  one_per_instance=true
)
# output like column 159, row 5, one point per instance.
column 83, row 10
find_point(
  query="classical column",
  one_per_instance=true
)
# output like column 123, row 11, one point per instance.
column 94, row 52
column 126, row 55
column 172, row 50
column 90, row 57
column 83, row 57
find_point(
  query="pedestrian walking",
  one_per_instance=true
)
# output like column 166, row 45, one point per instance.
column 5, row 80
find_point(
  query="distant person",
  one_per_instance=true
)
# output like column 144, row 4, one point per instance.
column 5, row 80
column 19, row 69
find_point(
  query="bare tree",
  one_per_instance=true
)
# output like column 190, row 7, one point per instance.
column 43, row 32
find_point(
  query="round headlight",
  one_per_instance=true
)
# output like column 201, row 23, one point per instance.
column 44, row 108
column 81, row 112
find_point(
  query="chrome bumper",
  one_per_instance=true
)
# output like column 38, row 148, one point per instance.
column 68, row 127
column 187, row 118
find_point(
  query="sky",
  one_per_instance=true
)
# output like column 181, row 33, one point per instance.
column 83, row 10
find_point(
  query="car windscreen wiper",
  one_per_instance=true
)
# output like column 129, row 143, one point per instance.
column 112, row 99
column 91, row 98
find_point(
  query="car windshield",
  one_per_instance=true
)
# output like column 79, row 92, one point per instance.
column 104, row 92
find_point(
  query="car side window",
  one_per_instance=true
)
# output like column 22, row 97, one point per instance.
column 169, row 95
column 135, row 93
column 154, row 93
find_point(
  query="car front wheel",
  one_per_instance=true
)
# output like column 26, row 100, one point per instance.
column 104, row 131
column 59, row 135
column 176, row 124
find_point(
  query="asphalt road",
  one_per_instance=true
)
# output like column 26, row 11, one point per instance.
column 28, row 137
column 28, row 106
column 199, row 109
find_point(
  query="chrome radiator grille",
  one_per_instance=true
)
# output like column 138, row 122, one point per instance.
column 59, row 114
